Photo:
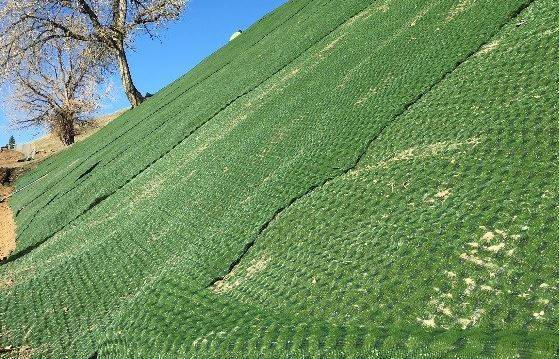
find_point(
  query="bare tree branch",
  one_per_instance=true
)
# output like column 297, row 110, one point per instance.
column 58, row 87
column 105, row 27
column 86, row 10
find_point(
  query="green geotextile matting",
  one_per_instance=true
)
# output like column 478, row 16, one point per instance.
column 356, row 178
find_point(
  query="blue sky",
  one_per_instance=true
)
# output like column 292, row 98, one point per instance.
column 205, row 27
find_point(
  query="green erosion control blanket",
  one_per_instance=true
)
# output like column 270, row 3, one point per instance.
column 347, row 179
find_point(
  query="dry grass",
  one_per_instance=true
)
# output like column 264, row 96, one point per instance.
column 49, row 144
column 9, row 157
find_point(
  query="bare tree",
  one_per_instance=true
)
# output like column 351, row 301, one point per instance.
column 56, row 88
column 106, row 27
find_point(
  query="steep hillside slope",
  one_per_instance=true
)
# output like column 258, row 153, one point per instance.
column 346, row 178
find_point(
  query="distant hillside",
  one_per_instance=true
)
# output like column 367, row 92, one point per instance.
column 346, row 179
column 49, row 144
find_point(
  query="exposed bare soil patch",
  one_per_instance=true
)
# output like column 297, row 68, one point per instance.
column 8, row 157
column 7, row 225
column 238, row 276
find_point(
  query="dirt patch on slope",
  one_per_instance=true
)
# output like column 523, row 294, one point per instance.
column 8, row 157
column 7, row 225
column 461, row 7
column 237, row 277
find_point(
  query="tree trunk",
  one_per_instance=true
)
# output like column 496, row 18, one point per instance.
column 134, row 96
column 69, row 136
column 64, row 129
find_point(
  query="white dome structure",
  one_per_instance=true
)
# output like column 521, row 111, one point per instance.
column 235, row 35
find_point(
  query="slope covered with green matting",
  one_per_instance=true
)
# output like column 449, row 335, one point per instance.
column 347, row 178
